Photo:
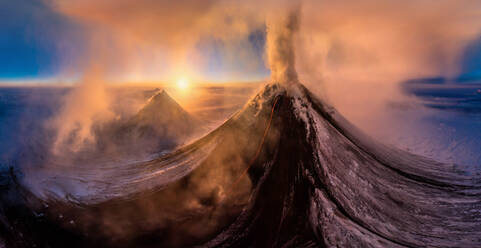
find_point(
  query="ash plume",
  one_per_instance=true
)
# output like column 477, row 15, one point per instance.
column 358, row 49
column 300, row 149
column 281, row 33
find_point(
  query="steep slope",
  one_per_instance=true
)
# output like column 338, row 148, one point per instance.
column 163, row 115
column 286, row 171
column 161, row 124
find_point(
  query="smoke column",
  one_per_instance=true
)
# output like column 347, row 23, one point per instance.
column 281, row 34
column 354, row 53
column 87, row 104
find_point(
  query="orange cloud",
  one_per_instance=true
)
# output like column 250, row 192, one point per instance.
column 353, row 52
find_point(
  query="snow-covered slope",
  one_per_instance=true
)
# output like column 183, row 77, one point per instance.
column 285, row 171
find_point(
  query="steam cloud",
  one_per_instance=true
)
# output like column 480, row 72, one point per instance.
column 280, row 47
column 174, row 29
column 86, row 105
column 353, row 52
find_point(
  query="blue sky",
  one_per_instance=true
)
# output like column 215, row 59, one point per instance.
column 37, row 43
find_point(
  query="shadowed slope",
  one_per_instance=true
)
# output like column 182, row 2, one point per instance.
column 164, row 116
column 161, row 124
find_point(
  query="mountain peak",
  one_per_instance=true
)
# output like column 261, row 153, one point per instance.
column 161, row 98
column 163, row 112
column 161, row 104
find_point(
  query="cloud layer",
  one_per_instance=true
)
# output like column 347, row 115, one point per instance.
column 353, row 52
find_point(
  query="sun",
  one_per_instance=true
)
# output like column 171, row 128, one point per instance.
column 182, row 84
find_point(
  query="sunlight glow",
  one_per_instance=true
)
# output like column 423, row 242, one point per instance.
column 182, row 84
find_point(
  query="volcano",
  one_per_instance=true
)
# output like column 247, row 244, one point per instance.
column 163, row 116
column 160, row 125
column 285, row 171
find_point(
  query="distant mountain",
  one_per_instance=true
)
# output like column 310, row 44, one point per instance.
column 162, row 115
column 161, row 124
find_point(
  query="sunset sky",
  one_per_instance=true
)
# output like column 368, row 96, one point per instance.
column 39, row 43
column 60, row 41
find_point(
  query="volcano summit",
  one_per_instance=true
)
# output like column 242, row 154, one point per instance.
column 161, row 124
